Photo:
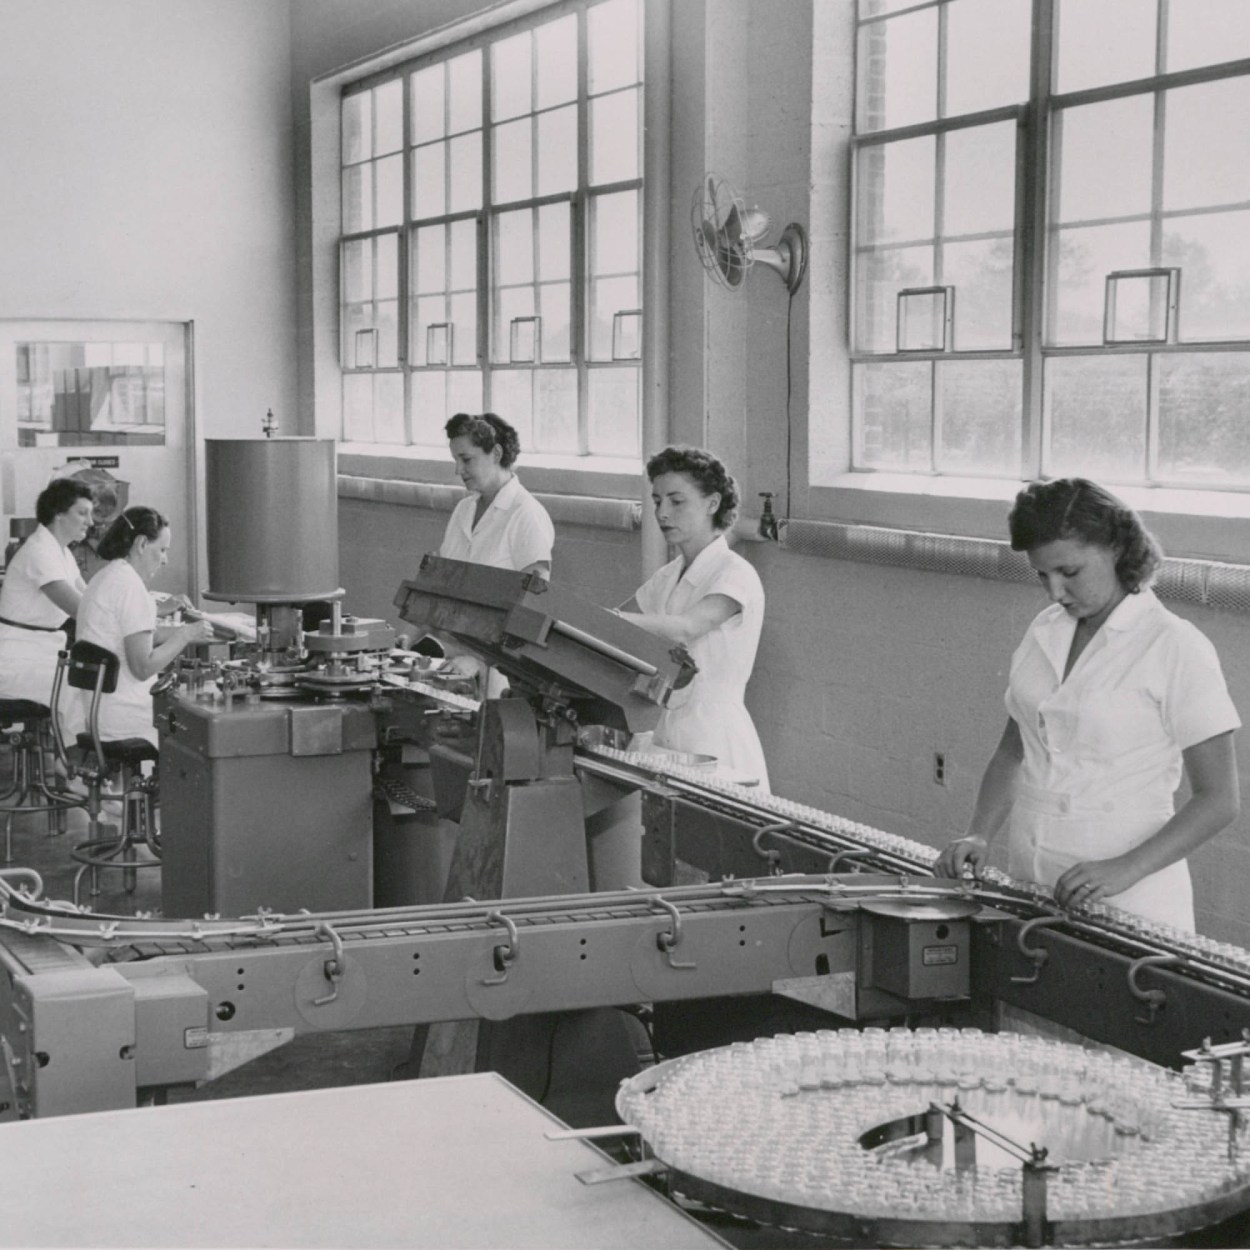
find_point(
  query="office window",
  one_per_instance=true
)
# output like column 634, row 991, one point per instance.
column 1051, row 245
column 492, row 237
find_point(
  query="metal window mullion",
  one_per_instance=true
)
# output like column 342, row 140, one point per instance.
column 579, row 226
column 1033, row 215
column 1151, row 466
column 935, row 416
column 940, row 102
column 485, row 222
column 404, row 253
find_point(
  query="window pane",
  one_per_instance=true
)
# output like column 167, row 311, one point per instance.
column 614, row 233
column 1096, row 411
column 511, row 72
column 1204, row 400
column 355, row 351
column 893, row 415
column 514, row 247
column 981, row 405
column 897, row 71
column 894, row 184
column 554, row 242
column 557, row 151
column 513, row 158
column 464, row 391
column 613, row 412
column 428, row 310
column 510, row 303
column 1105, row 158
column 1206, row 154
column 881, row 275
column 614, row 137
column 357, row 271
column 1103, row 41
column 466, row 172
column 608, row 296
column 388, row 408
column 431, row 260
column 358, row 407
column 388, row 107
column 357, row 198
column 1209, row 31
column 387, row 266
column 556, row 49
column 386, row 318
column 429, row 191
column 428, row 120
column 1213, row 254
column 1080, row 261
column 357, row 122
column 464, row 75
column 512, row 397
column 553, row 304
column 555, row 412
column 982, row 275
column 430, row 409
column 979, row 192
column 987, row 57
column 464, row 322
column 389, row 204
column 613, row 30
column 463, row 255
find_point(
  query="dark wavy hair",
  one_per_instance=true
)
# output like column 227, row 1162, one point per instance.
column 58, row 497
column 127, row 526
column 1076, row 508
column 486, row 431
column 707, row 473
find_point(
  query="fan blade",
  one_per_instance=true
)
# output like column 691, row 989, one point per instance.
column 732, row 229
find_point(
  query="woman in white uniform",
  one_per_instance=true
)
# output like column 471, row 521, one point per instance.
column 42, row 588
column 711, row 600
column 118, row 613
column 1110, row 695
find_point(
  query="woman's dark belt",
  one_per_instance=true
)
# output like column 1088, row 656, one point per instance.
column 41, row 629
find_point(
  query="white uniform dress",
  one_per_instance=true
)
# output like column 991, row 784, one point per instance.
column 1102, row 749
column 513, row 533
column 28, row 656
column 710, row 717
column 116, row 605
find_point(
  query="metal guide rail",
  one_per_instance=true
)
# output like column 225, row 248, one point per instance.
column 787, row 834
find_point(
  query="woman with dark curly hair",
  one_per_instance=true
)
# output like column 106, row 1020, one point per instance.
column 1110, row 695
column 711, row 600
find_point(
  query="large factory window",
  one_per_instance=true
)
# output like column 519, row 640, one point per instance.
column 1051, row 256
column 490, row 253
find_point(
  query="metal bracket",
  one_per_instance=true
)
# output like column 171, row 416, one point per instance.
column 1037, row 955
column 772, row 856
column 335, row 967
column 1155, row 1000
column 506, row 955
column 858, row 860
column 668, row 940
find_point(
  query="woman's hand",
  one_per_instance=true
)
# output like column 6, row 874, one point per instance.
column 1094, row 880
column 963, row 853
column 171, row 604
column 193, row 632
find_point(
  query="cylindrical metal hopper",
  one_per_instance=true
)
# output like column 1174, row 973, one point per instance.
column 273, row 534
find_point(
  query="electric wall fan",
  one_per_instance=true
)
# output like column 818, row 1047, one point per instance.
column 726, row 235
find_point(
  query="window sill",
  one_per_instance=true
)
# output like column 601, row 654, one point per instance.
column 1202, row 524
column 604, row 476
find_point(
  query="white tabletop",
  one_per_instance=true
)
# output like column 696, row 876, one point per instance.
column 453, row 1162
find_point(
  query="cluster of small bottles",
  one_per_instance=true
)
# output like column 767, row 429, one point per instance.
column 781, row 1119
column 1223, row 954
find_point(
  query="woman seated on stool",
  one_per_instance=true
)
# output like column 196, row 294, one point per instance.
column 118, row 613
column 41, row 591
column 1109, row 695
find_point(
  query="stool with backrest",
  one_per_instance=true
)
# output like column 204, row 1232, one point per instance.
column 86, row 666
column 26, row 728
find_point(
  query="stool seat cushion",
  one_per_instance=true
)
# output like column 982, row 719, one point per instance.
column 22, row 709
column 123, row 751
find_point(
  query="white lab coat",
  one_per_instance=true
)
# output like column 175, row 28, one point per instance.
column 1102, row 749
column 28, row 656
column 710, row 717
column 116, row 605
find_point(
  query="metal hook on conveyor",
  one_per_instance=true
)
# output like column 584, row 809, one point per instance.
column 772, row 855
column 856, row 858
column 506, row 955
column 334, row 967
column 1036, row 955
column 668, row 940
column 1155, row 1000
